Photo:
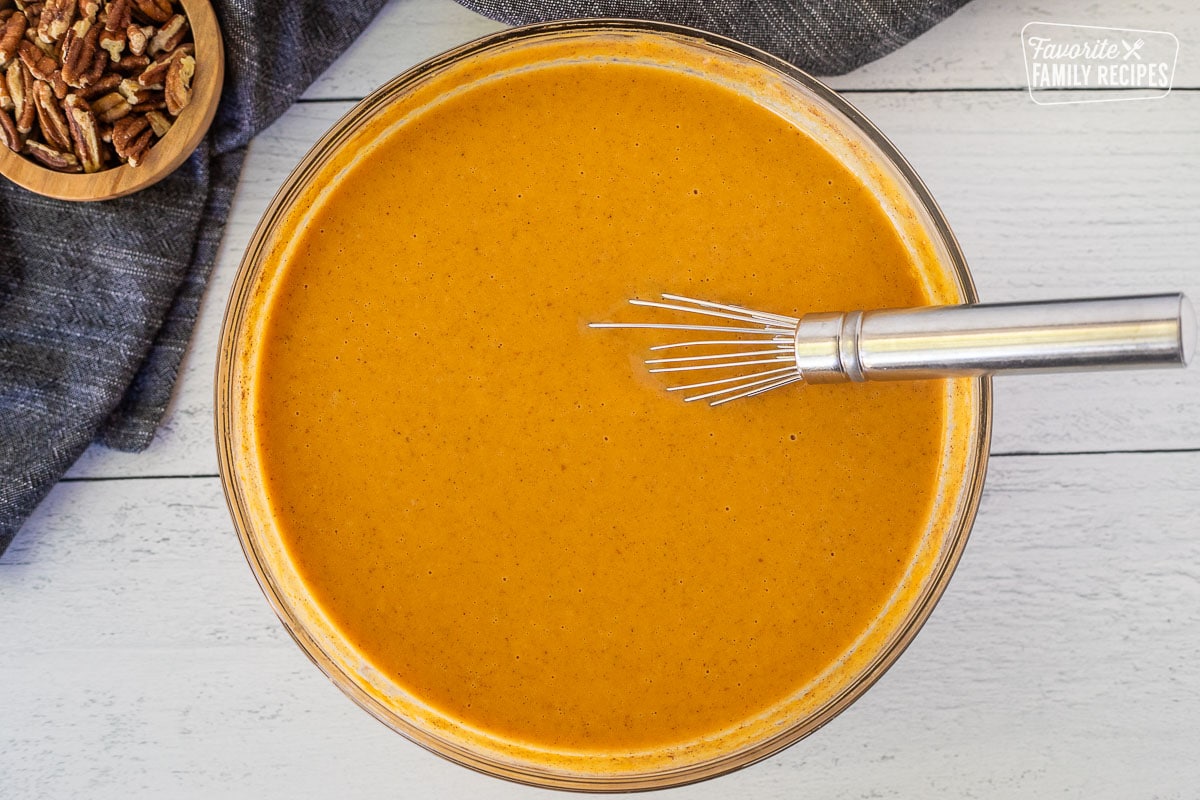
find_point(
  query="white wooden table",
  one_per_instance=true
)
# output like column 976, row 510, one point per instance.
column 138, row 659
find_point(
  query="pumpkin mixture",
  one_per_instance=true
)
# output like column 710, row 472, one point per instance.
column 497, row 506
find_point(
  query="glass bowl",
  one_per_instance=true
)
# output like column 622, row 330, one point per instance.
column 785, row 90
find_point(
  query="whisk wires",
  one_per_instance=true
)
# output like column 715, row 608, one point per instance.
column 764, row 342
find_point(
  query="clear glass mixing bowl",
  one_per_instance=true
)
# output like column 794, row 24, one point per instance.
column 771, row 82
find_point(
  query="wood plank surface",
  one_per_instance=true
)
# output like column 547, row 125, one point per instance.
column 141, row 660
column 979, row 47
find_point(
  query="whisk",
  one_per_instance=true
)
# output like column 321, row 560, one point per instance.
column 753, row 352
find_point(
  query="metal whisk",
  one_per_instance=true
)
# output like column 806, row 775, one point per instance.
column 766, row 351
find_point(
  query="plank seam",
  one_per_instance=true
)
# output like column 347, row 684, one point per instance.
column 999, row 454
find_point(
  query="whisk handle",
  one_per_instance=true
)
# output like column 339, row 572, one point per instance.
column 947, row 341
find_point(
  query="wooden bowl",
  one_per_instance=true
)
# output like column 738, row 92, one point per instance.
column 166, row 154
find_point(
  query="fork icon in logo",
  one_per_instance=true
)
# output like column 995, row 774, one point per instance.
column 1132, row 50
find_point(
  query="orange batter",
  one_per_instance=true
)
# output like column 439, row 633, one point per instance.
column 499, row 507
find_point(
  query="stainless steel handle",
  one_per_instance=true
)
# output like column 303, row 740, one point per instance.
column 945, row 341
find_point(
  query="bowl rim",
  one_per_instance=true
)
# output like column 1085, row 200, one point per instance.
column 225, row 387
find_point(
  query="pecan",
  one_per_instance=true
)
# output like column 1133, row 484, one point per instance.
column 159, row 123
column 137, row 150
column 178, row 91
column 155, row 10
column 155, row 75
column 170, row 35
column 69, row 49
column 9, row 134
column 132, row 91
column 132, row 141
column 84, row 133
column 42, row 67
column 113, row 44
column 49, row 48
column 88, row 9
column 25, row 110
column 14, row 88
column 138, row 38
column 103, row 86
column 33, row 12
column 49, row 157
column 154, row 102
column 99, row 62
column 57, row 16
column 131, row 65
column 126, row 129
column 20, row 89
column 54, row 127
column 11, row 33
column 118, row 14
column 6, row 101
column 110, row 108
column 79, row 52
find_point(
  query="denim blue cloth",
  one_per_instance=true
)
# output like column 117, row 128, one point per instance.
column 97, row 301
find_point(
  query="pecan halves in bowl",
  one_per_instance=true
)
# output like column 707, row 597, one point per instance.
column 111, row 107
column 113, row 44
column 85, row 133
column 118, row 15
column 20, row 91
column 131, row 65
column 53, row 122
column 131, row 138
column 89, row 9
column 169, row 36
column 57, row 16
column 138, row 38
column 12, row 31
column 42, row 66
column 155, row 10
column 89, row 84
column 178, row 91
column 101, row 87
column 9, row 134
column 80, row 52
column 155, row 75
column 159, row 123
column 50, row 158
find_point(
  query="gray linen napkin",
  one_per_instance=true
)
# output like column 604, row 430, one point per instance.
column 97, row 301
